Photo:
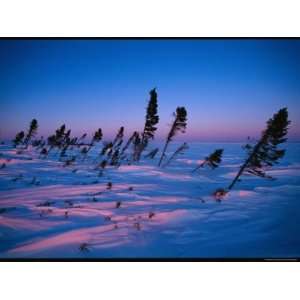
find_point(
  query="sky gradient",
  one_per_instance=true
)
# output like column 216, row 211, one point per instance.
column 229, row 87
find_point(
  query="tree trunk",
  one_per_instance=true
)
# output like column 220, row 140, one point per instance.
column 163, row 153
column 240, row 172
column 198, row 167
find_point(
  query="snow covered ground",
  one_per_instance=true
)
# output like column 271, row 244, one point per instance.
column 51, row 211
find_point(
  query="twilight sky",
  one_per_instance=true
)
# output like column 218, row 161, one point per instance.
column 229, row 87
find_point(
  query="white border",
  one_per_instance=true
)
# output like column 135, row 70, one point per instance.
column 134, row 18
column 149, row 281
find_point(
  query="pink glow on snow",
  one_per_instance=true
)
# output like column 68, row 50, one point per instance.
column 243, row 193
column 27, row 224
column 190, row 161
column 165, row 175
column 74, row 237
column 133, row 168
column 52, row 192
column 170, row 216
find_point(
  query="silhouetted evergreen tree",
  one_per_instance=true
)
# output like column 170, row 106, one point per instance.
column 81, row 139
column 58, row 139
column 102, row 166
column 73, row 143
column 111, row 147
column 65, row 143
column 60, row 135
column 115, row 158
column 19, row 138
column 266, row 153
column 51, row 142
column 151, row 120
column 96, row 138
column 39, row 143
column 213, row 160
column 67, row 138
column 127, row 145
column 106, row 147
column 119, row 137
column 31, row 132
column 179, row 150
column 179, row 124
column 136, row 146
column 65, row 147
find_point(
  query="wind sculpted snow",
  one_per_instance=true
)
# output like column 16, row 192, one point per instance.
column 49, row 211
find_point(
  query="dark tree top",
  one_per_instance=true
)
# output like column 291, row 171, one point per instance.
column 151, row 117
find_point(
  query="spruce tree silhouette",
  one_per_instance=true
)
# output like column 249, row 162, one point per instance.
column 102, row 166
column 151, row 120
column 19, row 138
column 266, row 153
column 136, row 146
column 31, row 132
column 179, row 124
column 66, row 143
column 119, row 137
column 106, row 148
column 81, row 139
column 58, row 139
column 179, row 150
column 115, row 158
column 127, row 145
column 213, row 160
column 97, row 137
